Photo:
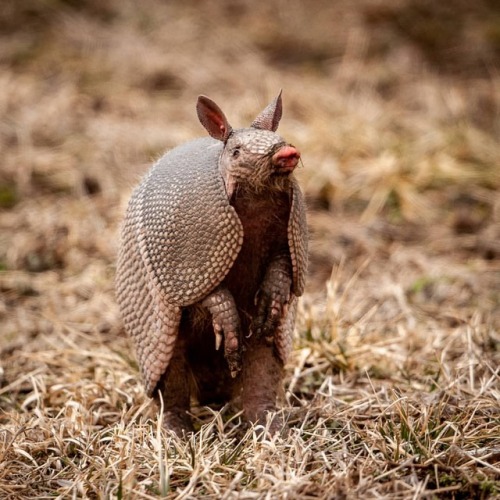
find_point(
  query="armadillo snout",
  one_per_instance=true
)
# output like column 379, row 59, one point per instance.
column 286, row 159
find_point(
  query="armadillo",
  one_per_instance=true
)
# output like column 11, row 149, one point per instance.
column 214, row 253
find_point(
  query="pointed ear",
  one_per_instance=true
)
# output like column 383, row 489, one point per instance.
column 212, row 118
column 270, row 118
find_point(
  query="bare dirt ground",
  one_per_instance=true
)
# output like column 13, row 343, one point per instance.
column 393, row 389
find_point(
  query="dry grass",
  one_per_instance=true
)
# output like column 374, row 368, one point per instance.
column 393, row 389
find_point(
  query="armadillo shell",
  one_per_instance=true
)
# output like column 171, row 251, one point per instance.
column 297, row 240
column 189, row 235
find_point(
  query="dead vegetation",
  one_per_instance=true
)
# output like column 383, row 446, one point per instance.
column 393, row 389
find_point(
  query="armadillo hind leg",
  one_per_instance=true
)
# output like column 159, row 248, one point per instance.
column 226, row 323
column 262, row 376
column 174, row 389
column 272, row 298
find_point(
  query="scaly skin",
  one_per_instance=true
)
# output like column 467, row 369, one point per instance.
column 273, row 298
column 226, row 323
column 214, row 251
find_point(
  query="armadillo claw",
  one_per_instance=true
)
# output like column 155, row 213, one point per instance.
column 226, row 322
column 218, row 340
column 235, row 371
column 272, row 298
column 233, row 359
column 232, row 352
column 269, row 316
column 234, row 363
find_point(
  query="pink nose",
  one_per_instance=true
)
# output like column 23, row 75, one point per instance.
column 286, row 158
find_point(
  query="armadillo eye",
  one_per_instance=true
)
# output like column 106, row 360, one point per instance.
column 236, row 153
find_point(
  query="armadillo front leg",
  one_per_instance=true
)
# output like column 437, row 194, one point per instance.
column 226, row 323
column 273, row 298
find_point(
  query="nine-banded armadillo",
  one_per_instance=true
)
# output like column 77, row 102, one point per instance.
column 214, row 250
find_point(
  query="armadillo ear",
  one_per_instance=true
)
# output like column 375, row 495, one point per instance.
column 270, row 118
column 212, row 118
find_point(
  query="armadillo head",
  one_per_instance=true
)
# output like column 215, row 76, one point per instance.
column 256, row 157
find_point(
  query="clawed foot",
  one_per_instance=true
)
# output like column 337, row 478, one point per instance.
column 272, row 301
column 226, row 323
column 232, row 346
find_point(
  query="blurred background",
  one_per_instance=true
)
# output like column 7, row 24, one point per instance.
column 394, row 105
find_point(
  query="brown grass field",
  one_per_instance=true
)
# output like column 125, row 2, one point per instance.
column 393, row 388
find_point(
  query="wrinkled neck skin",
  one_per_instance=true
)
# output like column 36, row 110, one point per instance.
column 255, row 183
column 273, row 185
